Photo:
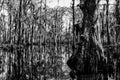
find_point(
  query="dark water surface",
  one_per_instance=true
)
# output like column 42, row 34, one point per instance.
column 39, row 63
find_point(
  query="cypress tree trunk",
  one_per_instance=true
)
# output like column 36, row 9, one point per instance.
column 108, row 36
column 20, row 15
column 118, row 20
column 10, row 25
column 73, row 44
column 19, row 40
column 88, row 8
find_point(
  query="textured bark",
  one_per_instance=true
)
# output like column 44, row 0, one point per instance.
column 88, row 9
column 19, row 41
column 108, row 36
column 118, row 20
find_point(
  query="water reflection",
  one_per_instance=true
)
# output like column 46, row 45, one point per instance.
column 38, row 63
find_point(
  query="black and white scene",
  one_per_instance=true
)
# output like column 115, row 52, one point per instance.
column 59, row 39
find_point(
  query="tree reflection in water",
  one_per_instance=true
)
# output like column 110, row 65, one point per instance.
column 40, row 63
column 37, row 62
